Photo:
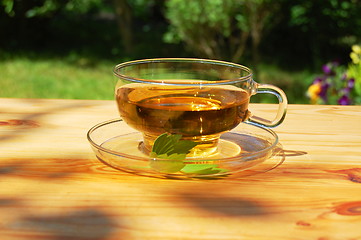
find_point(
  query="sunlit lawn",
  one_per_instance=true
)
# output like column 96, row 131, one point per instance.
column 81, row 78
column 56, row 78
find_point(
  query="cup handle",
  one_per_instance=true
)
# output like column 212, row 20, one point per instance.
column 282, row 106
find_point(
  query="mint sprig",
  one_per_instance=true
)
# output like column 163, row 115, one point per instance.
column 170, row 147
column 168, row 153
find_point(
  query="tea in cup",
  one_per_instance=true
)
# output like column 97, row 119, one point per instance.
column 197, row 98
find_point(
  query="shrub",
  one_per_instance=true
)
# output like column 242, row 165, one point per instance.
column 339, row 84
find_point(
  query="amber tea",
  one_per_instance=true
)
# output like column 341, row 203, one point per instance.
column 200, row 115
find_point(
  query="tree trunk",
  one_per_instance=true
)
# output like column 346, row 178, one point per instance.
column 258, row 17
column 242, row 43
column 124, row 17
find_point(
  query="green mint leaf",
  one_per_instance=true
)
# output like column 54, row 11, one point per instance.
column 183, row 146
column 190, row 168
column 177, row 156
column 170, row 144
column 159, row 143
column 170, row 147
column 203, row 169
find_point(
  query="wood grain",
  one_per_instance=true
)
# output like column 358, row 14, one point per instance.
column 53, row 187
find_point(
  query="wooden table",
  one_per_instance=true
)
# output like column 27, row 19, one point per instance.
column 53, row 187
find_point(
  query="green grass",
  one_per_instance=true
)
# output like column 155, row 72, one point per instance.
column 56, row 78
column 83, row 78
column 293, row 83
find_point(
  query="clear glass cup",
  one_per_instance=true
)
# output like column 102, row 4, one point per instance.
column 197, row 98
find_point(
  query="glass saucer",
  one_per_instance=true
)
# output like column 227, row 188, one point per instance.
column 246, row 150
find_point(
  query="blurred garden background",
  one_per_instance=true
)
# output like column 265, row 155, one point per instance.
column 68, row 48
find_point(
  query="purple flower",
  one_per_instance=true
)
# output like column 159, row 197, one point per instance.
column 323, row 92
column 345, row 91
column 344, row 77
column 351, row 83
column 344, row 100
column 331, row 85
column 318, row 80
column 327, row 69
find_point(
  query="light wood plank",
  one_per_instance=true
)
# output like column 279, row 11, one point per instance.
column 53, row 187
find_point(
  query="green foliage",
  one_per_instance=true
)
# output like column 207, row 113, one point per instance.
column 354, row 70
column 204, row 26
column 219, row 29
column 142, row 8
column 309, row 14
column 84, row 6
column 327, row 28
column 8, row 7
column 188, row 16
column 47, row 8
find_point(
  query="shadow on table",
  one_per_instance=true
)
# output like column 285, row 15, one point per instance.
column 73, row 222
column 219, row 200
column 28, row 122
column 44, row 169
column 219, row 204
column 88, row 223
column 85, row 223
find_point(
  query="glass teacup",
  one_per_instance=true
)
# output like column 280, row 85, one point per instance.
column 197, row 98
